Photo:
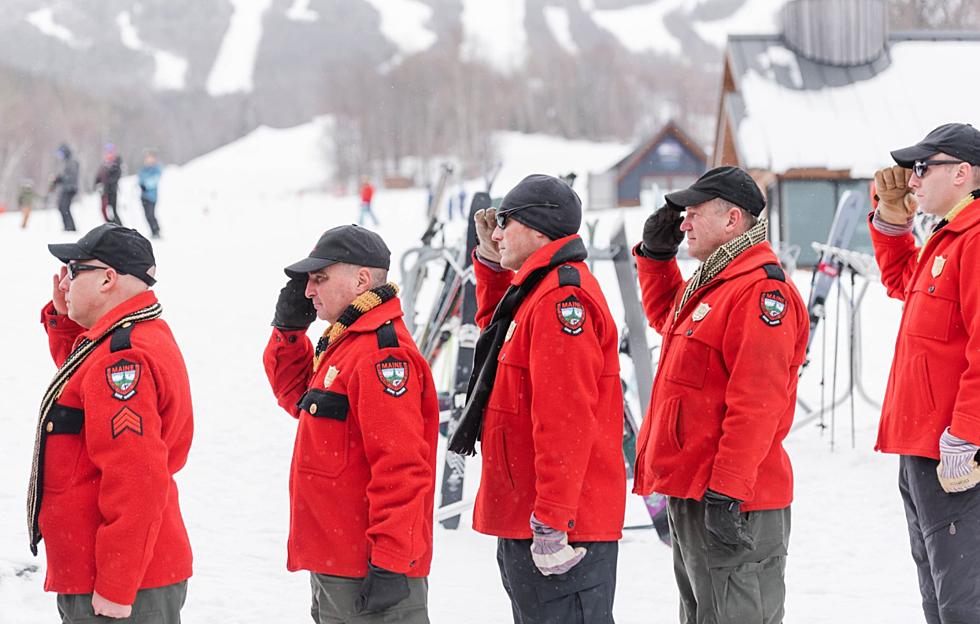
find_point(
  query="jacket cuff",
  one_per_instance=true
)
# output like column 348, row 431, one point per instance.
column 53, row 321
column 731, row 484
column 559, row 517
column 496, row 266
column 966, row 427
column 287, row 336
column 391, row 561
column 115, row 592
column 891, row 229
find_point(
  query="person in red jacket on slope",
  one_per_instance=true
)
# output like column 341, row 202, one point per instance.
column 115, row 427
column 734, row 337
column 931, row 413
column 362, row 481
column 546, row 401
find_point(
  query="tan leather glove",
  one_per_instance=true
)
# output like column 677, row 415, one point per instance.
column 895, row 200
column 486, row 223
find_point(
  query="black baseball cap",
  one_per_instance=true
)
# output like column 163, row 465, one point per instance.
column 728, row 183
column 122, row 248
column 958, row 140
column 351, row 244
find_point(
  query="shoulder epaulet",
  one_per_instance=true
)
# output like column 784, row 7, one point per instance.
column 387, row 337
column 120, row 339
column 569, row 276
column 774, row 272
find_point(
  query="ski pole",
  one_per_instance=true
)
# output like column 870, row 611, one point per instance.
column 853, row 315
column 833, row 389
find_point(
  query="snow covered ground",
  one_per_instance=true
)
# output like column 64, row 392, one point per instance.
column 220, row 269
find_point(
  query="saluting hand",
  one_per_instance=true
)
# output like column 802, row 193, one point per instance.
column 895, row 200
column 58, row 295
column 662, row 233
column 486, row 223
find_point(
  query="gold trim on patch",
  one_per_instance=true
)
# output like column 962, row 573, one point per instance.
column 937, row 265
column 332, row 373
column 700, row 312
column 510, row 330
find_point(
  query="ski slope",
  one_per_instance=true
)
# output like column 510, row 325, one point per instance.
column 226, row 239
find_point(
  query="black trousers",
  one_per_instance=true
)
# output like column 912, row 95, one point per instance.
column 160, row 605
column 944, row 530
column 583, row 595
column 64, row 207
column 150, row 209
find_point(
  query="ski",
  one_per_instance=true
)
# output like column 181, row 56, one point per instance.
column 842, row 229
column 467, row 334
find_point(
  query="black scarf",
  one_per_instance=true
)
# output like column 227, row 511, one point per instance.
column 492, row 339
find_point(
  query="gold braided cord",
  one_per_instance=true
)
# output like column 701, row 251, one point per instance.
column 55, row 388
column 957, row 209
column 721, row 258
column 364, row 302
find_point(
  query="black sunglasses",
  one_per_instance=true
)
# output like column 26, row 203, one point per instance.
column 74, row 269
column 920, row 166
column 502, row 217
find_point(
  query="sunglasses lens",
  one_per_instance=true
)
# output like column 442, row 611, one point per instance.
column 919, row 169
column 501, row 220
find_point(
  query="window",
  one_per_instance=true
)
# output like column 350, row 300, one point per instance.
column 807, row 210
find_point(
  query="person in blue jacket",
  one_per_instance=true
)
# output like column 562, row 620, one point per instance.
column 149, row 180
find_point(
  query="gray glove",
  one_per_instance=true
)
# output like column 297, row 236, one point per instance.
column 724, row 521
column 662, row 234
column 293, row 310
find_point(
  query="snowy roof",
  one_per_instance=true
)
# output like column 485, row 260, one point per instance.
column 788, row 112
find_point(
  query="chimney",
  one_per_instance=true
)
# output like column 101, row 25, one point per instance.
column 836, row 32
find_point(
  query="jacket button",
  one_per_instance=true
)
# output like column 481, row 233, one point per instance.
column 53, row 323
column 932, row 288
column 571, row 524
column 292, row 339
column 49, row 428
column 127, row 324
column 689, row 332
column 313, row 409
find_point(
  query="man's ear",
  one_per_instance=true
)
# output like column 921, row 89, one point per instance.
column 109, row 279
column 964, row 174
column 734, row 217
column 363, row 276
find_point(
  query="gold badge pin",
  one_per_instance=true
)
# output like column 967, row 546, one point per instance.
column 937, row 265
column 510, row 330
column 700, row 312
column 332, row 373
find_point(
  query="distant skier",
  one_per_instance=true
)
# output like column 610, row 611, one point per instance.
column 367, row 194
column 107, row 183
column 67, row 179
column 149, row 180
column 723, row 400
column 548, row 410
column 25, row 200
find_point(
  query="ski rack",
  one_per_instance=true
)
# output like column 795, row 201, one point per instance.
column 858, row 264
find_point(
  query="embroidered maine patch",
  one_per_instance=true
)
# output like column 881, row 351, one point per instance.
column 122, row 378
column 773, row 305
column 571, row 315
column 393, row 374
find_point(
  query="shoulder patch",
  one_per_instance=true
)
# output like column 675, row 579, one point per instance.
column 571, row 315
column 393, row 374
column 122, row 377
column 774, row 272
column 773, row 305
column 569, row 276
column 126, row 419
column 120, row 338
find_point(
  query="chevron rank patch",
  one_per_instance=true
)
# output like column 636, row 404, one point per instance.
column 122, row 378
column 773, row 305
column 125, row 420
column 393, row 374
column 571, row 315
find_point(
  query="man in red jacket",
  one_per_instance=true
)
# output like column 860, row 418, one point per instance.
column 546, row 402
column 115, row 426
column 931, row 412
column 734, row 337
column 362, row 480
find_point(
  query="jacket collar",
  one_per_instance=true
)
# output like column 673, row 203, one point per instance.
column 378, row 316
column 133, row 304
column 541, row 258
column 966, row 219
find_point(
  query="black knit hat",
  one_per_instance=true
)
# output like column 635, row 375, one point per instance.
column 351, row 244
column 545, row 204
column 122, row 248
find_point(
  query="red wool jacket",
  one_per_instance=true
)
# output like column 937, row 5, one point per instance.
column 935, row 376
column 553, row 426
column 725, row 391
column 110, row 516
column 362, row 480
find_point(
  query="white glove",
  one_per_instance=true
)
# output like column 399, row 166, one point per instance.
column 957, row 468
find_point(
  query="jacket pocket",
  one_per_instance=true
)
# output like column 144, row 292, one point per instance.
column 323, row 437
column 921, row 384
column 62, row 446
column 688, row 364
column 496, row 456
column 506, row 394
column 930, row 315
column 673, row 416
